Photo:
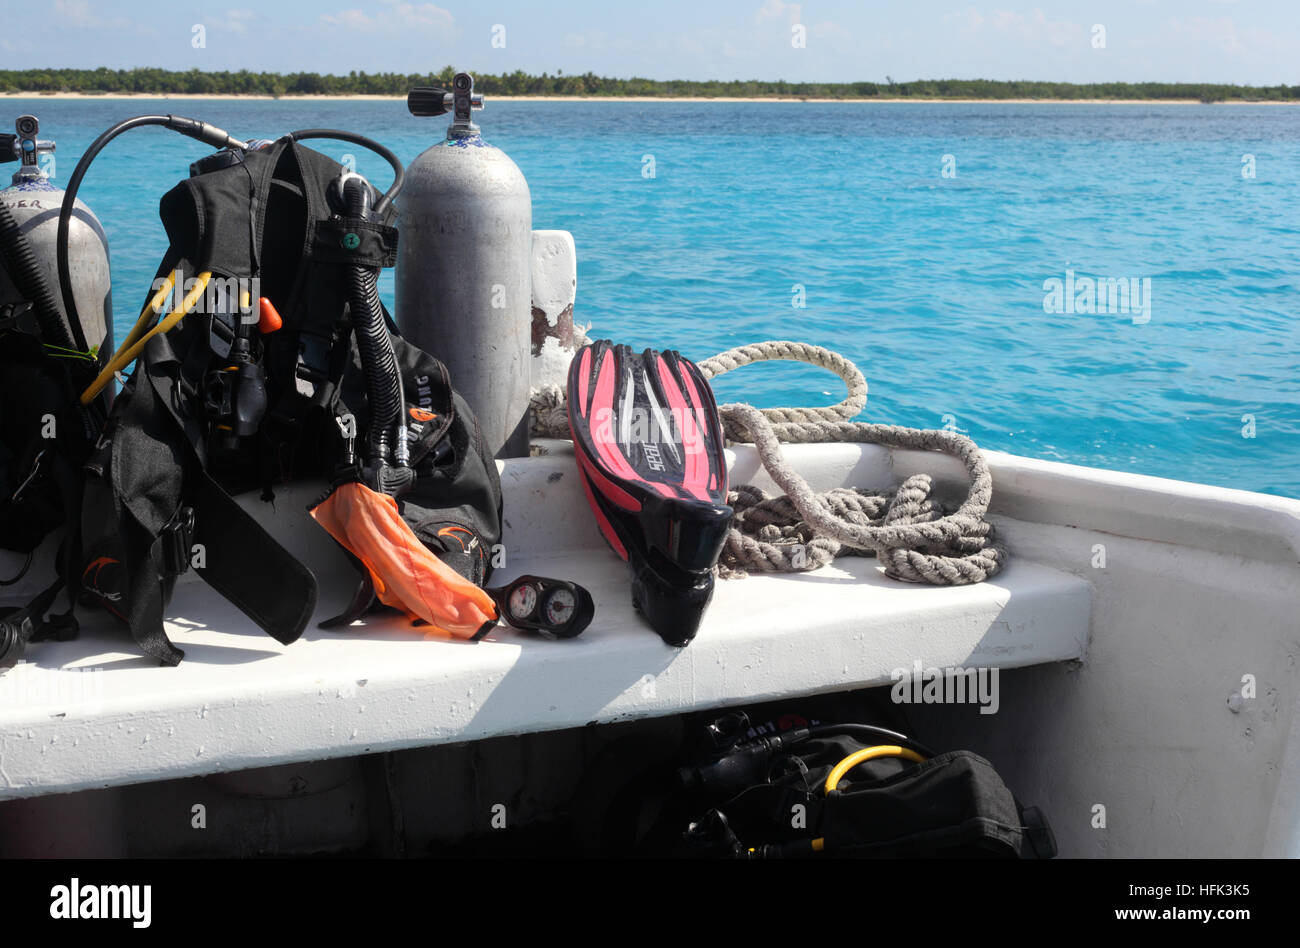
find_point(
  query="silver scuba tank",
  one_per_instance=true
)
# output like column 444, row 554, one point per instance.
column 34, row 202
column 465, row 219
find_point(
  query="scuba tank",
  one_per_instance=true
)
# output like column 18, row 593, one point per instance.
column 48, row 352
column 31, row 204
column 463, row 266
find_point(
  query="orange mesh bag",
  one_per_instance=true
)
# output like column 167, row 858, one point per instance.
column 405, row 573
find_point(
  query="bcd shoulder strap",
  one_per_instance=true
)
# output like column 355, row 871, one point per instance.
column 150, row 501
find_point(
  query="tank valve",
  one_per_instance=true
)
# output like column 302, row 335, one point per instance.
column 25, row 146
column 462, row 101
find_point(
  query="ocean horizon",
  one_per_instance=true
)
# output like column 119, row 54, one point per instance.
column 1108, row 285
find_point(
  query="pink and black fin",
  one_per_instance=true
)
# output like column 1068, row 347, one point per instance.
column 649, row 445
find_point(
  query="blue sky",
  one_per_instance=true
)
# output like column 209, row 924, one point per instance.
column 1242, row 41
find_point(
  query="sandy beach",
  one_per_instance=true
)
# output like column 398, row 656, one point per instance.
column 593, row 98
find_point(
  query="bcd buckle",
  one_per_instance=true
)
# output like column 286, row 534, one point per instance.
column 175, row 539
column 19, row 317
column 311, row 372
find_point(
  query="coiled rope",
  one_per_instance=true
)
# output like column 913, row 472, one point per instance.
column 547, row 415
column 916, row 538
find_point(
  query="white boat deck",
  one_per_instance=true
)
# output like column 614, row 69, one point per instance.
column 92, row 713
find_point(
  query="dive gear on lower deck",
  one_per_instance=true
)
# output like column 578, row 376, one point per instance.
column 857, row 791
column 649, row 446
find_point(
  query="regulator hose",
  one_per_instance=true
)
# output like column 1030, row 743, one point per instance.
column 20, row 260
column 869, row 731
column 193, row 128
column 378, row 361
column 399, row 172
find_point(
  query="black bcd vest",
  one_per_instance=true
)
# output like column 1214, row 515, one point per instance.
column 159, row 482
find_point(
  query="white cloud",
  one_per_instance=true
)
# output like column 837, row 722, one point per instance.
column 792, row 13
column 763, row 46
column 349, row 19
column 234, row 21
column 425, row 14
column 394, row 16
column 970, row 18
column 829, row 31
column 74, row 12
column 77, row 13
column 587, row 39
column 1006, row 19
column 1033, row 28
column 1220, row 32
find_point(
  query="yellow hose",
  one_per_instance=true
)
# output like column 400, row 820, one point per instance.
column 149, row 315
column 868, row 753
column 138, row 338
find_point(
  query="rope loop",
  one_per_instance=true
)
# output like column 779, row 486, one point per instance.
column 915, row 538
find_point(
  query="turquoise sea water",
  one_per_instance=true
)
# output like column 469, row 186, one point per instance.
column 934, row 285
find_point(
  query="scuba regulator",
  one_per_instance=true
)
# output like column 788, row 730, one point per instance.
column 732, row 761
column 906, row 800
column 234, row 394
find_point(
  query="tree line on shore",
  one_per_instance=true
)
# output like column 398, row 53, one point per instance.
column 161, row 82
